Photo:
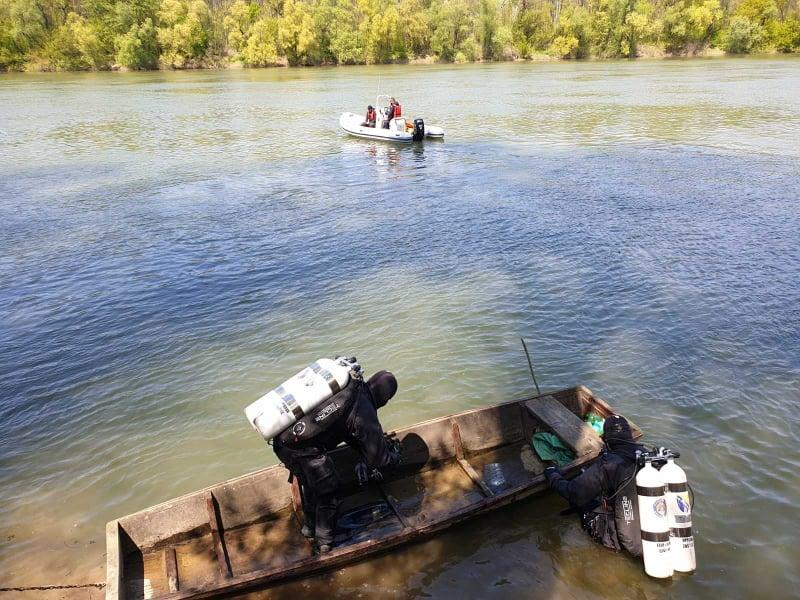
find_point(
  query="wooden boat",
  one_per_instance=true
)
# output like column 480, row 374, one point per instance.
column 244, row 533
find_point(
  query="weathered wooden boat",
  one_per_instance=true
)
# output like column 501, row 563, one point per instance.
column 244, row 533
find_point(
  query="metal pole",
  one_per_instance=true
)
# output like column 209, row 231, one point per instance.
column 530, row 366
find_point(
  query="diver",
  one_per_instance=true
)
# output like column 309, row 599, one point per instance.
column 605, row 493
column 371, row 117
column 349, row 416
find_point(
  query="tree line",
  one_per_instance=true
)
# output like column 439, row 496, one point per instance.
column 149, row 34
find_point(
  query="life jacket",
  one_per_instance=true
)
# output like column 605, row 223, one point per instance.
column 371, row 115
column 396, row 110
column 311, row 429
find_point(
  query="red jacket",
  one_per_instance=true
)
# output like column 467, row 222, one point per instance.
column 396, row 110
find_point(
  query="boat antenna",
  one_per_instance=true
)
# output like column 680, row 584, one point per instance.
column 530, row 365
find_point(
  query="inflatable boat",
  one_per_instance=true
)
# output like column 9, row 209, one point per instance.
column 388, row 129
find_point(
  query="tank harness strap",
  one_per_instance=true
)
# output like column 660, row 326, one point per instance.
column 327, row 376
column 649, row 491
column 290, row 402
column 657, row 536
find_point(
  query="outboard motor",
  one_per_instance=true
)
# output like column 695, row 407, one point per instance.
column 419, row 130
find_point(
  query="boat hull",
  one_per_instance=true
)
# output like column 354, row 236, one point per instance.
column 434, row 132
column 220, row 532
column 351, row 123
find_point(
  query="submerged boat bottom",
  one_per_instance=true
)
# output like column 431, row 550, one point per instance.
column 420, row 498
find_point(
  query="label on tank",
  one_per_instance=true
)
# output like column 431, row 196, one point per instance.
column 660, row 508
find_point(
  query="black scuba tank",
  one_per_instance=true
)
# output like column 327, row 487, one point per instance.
column 419, row 130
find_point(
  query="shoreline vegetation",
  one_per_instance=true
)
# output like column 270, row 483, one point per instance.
column 95, row 35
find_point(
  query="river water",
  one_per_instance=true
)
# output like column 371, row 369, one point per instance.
column 175, row 244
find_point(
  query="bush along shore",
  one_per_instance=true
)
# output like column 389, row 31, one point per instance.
column 63, row 35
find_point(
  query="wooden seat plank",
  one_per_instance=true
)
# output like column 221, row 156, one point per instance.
column 566, row 425
column 473, row 474
column 468, row 468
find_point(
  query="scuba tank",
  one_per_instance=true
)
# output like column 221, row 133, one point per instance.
column 280, row 408
column 679, row 511
column 653, row 521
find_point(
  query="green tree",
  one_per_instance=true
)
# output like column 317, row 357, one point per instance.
column 690, row 24
column 128, row 13
column 453, row 27
column 741, row 36
column 138, row 48
column 261, row 49
column 787, row 35
column 238, row 21
column 74, row 46
column 760, row 12
column 183, row 34
column 640, row 25
column 751, row 27
column 532, row 30
column 346, row 40
column 295, row 32
column 25, row 26
column 414, row 29
column 487, row 26
column 572, row 39
column 618, row 25
column 383, row 40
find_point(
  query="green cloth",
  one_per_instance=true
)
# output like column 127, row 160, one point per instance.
column 549, row 447
column 595, row 422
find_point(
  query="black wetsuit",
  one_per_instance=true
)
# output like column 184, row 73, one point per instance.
column 350, row 416
column 605, row 496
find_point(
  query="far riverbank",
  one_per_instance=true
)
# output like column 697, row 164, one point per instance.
column 183, row 34
column 645, row 54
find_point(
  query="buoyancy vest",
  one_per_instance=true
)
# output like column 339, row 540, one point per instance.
column 396, row 110
column 613, row 521
column 311, row 429
column 626, row 513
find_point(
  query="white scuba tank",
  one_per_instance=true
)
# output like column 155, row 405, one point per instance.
column 679, row 511
column 280, row 408
column 653, row 521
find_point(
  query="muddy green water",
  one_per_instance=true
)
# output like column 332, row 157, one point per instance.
column 172, row 245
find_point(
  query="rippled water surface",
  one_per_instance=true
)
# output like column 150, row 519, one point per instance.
column 175, row 244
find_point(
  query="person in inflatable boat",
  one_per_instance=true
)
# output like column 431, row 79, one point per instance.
column 350, row 416
column 371, row 117
column 605, row 493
